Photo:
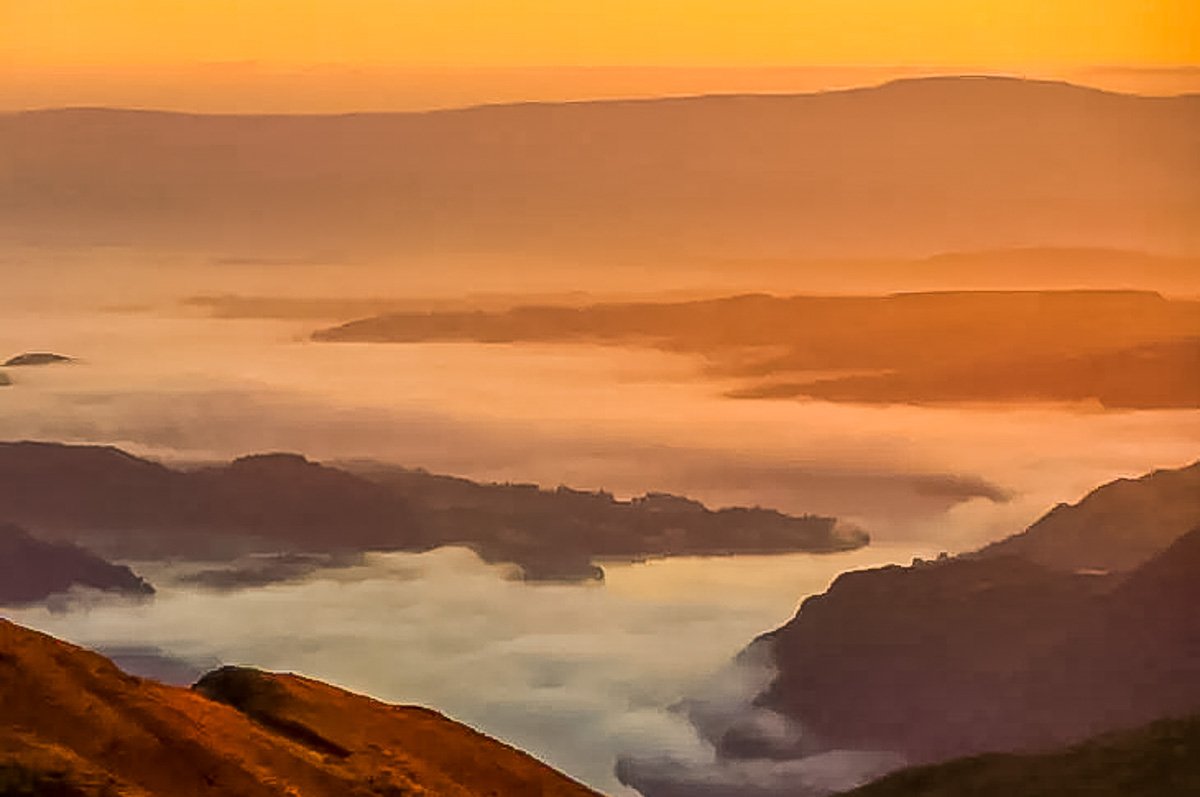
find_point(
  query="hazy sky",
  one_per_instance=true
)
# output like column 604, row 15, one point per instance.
column 331, row 54
column 583, row 32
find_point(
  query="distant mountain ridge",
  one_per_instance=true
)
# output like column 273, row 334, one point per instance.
column 76, row 726
column 909, row 168
column 995, row 650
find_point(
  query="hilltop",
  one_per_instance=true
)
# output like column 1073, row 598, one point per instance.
column 75, row 725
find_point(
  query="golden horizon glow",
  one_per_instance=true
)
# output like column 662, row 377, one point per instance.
column 324, row 55
column 507, row 33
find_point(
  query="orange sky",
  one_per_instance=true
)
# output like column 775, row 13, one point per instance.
column 213, row 54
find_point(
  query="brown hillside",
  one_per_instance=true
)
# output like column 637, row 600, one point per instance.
column 74, row 724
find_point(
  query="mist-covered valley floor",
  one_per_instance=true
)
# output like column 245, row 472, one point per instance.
column 577, row 674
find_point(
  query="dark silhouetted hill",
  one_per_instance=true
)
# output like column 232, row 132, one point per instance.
column 145, row 509
column 1158, row 760
column 282, row 503
column 75, row 725
column 32, row 570
column 556, row 533
column 981, row 653
column 968, row 656
column 910, row 168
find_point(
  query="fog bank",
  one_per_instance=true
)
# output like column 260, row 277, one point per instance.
column 577, row 675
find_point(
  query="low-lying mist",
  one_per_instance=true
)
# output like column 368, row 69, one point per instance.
column 784, row 761
column 577, row 675
column 591, row 417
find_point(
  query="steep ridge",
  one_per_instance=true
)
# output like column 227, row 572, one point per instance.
column 1116, row 527
column 967, row 656
column 73, row 719
column 995, row 651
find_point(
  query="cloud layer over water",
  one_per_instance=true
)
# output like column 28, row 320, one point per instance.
column 577, row 675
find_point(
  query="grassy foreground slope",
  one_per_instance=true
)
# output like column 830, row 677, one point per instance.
column 75, row 725
column 1158, row 760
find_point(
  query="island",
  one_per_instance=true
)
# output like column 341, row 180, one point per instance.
column 37, row 358
column 76, row 725
column 130, row 507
